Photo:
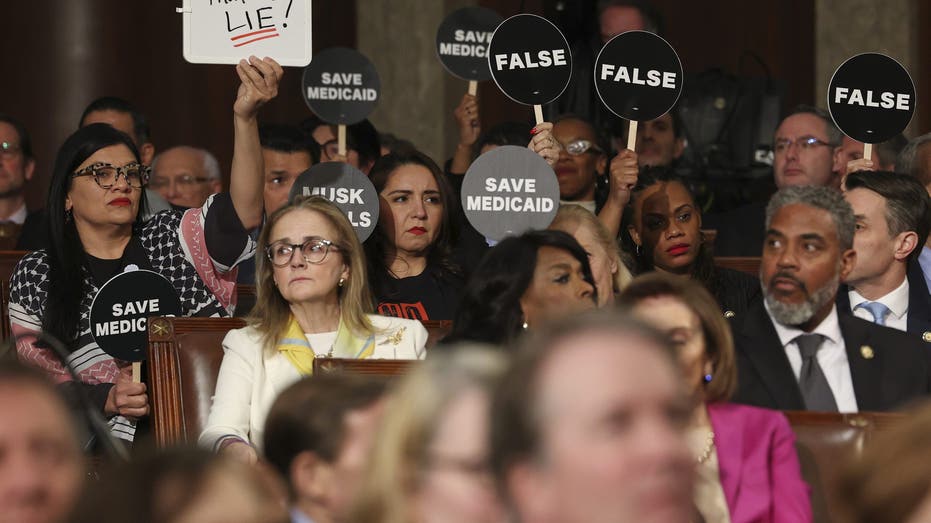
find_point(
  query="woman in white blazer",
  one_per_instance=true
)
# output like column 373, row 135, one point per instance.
column 311, row 300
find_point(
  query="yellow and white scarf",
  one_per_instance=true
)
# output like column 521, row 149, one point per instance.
column 297, row 349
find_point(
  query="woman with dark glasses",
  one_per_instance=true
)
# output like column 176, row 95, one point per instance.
column 95, row 203
column 312, row 300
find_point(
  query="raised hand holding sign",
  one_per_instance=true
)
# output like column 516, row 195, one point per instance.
column 342, row 87
column 871, row 98
column 638, row 76
column 530, row 61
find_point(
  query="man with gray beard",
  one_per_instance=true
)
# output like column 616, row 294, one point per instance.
column 794, row 350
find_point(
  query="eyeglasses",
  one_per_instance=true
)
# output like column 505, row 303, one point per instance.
column 106, row 175
column 9, row 149
column 313, row 250
column 579, row 147
column 805, row 143
column 183, row 181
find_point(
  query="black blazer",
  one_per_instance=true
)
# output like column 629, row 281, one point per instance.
column 897, row 373
column 919, row 303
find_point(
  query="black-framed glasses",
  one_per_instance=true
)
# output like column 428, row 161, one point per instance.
column 9, row 148
column 313, row 250
column 184, row 181
column 805, row 143
column 106, row 175
column 579, row 147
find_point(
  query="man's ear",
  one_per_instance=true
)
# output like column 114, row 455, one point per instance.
column 310, row 476
column 146, row 153
column 30, row 169
column 679, row 148
column 848, row 259
column 905, row 243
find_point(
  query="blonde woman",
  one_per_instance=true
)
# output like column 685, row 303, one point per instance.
column 311, row 300
column 430, row 461
column 604, row 254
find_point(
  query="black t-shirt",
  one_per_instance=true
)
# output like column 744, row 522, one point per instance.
column 427, row 296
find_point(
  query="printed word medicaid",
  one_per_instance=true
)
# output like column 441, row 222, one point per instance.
column 510, row 203
column 468, row 43
column 525, row 60
column 886, row 100
column 352, row 94
column 652, row 78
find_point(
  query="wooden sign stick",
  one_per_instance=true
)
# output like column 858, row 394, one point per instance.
column 473, row 87
column 341, row 139
column 137, row 372
column 538, row 113
column 867, row 151
column 632, row 135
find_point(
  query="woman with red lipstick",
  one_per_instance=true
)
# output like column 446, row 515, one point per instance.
column 410, row 268
column 95, row 206
column 664, row 228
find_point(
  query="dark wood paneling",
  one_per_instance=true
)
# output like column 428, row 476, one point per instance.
column 59, row 55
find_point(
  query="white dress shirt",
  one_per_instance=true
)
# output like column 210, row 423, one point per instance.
column 18, row 217
column 896, row 301
column 832, row 357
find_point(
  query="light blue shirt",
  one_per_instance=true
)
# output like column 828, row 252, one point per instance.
column 924, row 259
column 299, row 517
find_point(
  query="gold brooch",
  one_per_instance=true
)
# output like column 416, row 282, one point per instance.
column 729, row 314
column 926, row 336
column 867, row 352
column 395, row 338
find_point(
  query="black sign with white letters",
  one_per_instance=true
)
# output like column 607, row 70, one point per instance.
column 341, row 86
column 638, row 76
column 349, row 188
column 462, row 42
column 121, row 308
column 871, row 98
column 530, row 59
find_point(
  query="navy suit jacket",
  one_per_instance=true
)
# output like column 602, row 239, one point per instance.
column 896, row 372
column 919, row 303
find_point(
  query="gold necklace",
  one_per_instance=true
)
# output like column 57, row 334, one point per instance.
column 709, row 448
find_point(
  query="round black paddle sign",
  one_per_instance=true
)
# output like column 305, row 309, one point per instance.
column 509, row 190
column 638, row 76
column 341, row 86
column 462, row 42
column 121, row 308
column 871, row 97
column 530, row 59
column 349, row 188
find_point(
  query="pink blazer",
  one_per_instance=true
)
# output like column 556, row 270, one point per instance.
column 759, row 467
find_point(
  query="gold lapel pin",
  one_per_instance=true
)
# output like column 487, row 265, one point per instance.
column 867, row 352
column 729, row 314
column 926, row 336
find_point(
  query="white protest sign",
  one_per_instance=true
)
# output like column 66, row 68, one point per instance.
column 226, row 31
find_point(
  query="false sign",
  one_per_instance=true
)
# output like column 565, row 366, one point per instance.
column 871, row 98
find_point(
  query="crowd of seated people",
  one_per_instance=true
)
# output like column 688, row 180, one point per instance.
column 606, row 368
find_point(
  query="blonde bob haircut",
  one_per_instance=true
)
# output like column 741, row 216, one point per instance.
column 271, row 313
column 719, row 344
column 415, row 409
column 571, row 217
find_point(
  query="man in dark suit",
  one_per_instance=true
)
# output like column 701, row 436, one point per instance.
column 886, row 286
column 795, row 351
column 803, row 154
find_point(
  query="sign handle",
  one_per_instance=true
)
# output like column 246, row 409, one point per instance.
column 632, row 135
column 137, row 372
column 867, row 151
column 538, row 113
column 473, row 87
column 341, row 139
